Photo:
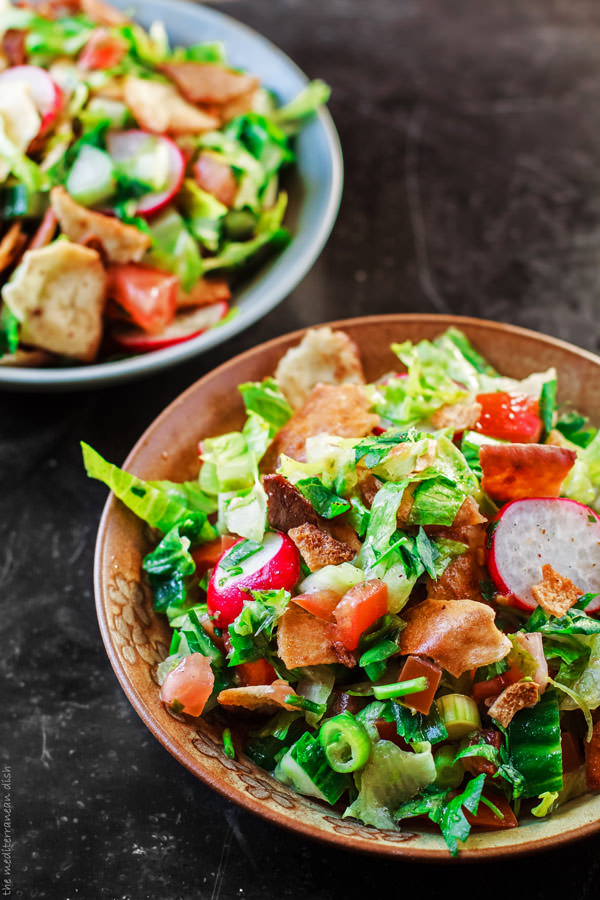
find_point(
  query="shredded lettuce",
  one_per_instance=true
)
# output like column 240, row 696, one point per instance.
column 269, row 231
column 162, row 504
column 203, row 214
column 174, row 248
column 252, row 630
column 169, row 569
column 292, row 116
column 390, row 777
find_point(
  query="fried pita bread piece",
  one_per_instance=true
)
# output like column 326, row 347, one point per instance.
column 11, row 246
column 516, row 471
column 103, row 14
column 58, row 295
column 341, row 409
column 303, row 639
column 323, row 356
column 555, row 593
column 462, row 578
column 121, row 243
column 209, row 82
column 457, row 634
column 318, row 548
column 287, row 508
column 258, row 696
column 513, row 698
column 458, row 416
column 160, row 108
column 28, row 358
column 205, row 292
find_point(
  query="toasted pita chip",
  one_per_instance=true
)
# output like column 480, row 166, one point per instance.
column 103, row 14
column 458, row 416
column 209, row 82
column 461, row 579
column 11, row 245
column 257, row 696
column 26, row 358
column 323, row 356
column 318, row 548
column 58, row 294
column 457, row 634
column 121, row 243
column 342, row 410
column 205, row 292
column 160, row 108
column 513, row 698
column 304, row 640
column 287, row 508
column 555, row 593
column 516, row 471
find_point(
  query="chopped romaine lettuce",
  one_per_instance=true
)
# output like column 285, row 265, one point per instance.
column 254, row 627
column 291, row 117
column 169, row 568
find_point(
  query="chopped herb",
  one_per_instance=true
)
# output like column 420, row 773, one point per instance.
column 373, row 449
column 325, row 502
column 228, row 747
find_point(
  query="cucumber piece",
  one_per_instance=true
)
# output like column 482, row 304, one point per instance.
column 18, row 202
column 535, row 747
column 91, row 179
column 305, row 768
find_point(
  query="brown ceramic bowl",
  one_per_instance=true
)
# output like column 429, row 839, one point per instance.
column 136, row 638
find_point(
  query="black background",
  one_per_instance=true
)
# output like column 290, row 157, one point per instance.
column 471, row 136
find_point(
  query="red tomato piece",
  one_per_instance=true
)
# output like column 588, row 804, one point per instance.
column 487, row 819
column 417, row 667
column 188, row 686
column 572, row 757
column 148, row 295
column 358, row 609
column 494, row 686
column 258, row 672
column 103, row 51
column 208, row 555
column 320, row 603
column 509, row 417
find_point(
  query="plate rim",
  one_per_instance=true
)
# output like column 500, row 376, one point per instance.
column 99, row 375
column 398, row 850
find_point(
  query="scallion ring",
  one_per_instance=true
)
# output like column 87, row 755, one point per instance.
column 346, row 743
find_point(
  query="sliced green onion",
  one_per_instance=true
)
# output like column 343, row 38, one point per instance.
column 449, row 772
column 400, row 688
column 346, row 743
column 228, row 747
column 459, row 714
column 305, row 704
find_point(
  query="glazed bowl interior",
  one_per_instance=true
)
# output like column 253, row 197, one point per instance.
column 314, row 187
column 136, row 638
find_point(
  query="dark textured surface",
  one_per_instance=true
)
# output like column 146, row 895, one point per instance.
column 471, row 134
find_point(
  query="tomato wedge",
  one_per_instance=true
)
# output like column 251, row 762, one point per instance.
column 188, row 686
column 487, row 819
column 320, row 603
column 103, row 51
column 358, row 609
column 148, row 295
column 510, row 416
column 494, row 686
column 258, row 672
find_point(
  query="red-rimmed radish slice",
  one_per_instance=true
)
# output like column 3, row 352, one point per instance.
column 276, row 565
column 45, row 93
column 184, row 327
column 527, row 534
column 151, row 157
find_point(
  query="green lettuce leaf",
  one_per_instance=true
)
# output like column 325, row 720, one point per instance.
column 324, row 501
column 162, row 504
column 169, row 569
column 291, row 117
column 251, row 632
column 174, row 249
column 9, row 331
column 203, row 214
column 390, row 777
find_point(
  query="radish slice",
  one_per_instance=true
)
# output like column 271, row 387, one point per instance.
column 184, row 327
column 44, row 91
column 529, row 533
column 152, row 159
column 276, row 565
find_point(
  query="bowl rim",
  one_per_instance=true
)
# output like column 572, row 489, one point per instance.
column 284, row 274
column 245, row 800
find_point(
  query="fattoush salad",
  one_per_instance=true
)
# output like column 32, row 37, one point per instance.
column 392, row 587
column 137, row 180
